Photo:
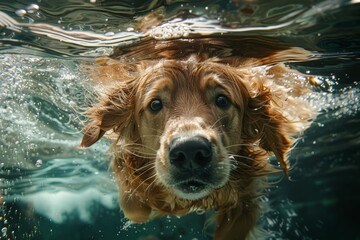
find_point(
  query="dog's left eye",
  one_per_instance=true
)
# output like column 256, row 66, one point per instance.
column 222, row 101
column 155, row 105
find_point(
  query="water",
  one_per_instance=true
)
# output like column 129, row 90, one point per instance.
column 51, row 189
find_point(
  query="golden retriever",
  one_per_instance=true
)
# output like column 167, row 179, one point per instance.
column 194, row 122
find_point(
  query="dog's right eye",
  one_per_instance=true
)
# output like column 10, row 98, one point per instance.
column 222, row 101
column 155, row 105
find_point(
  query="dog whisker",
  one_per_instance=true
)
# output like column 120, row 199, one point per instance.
column 137, row 146
column 150, row 166
column 139, row 154
column 142, row 183
column 146, row 166
column 241, row 157
column 150, row 185
column 241, row 145
column 215, row 124
column 234, row 165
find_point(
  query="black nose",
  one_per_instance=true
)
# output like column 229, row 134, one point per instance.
column 191, row 153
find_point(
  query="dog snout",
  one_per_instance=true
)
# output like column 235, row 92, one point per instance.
column 191, row 153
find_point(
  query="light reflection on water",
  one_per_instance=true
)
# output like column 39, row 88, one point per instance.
column 51, row 189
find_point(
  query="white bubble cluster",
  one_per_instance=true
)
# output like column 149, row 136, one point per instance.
column 32, row 8
column 170, row 30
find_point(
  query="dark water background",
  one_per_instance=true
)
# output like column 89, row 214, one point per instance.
column 50, row 189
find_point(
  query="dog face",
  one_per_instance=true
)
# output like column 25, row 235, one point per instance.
column 189, row 116
column 191, row 121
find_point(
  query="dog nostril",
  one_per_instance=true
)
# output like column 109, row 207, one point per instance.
column 202, row 157
column 192, row 153
column 177, row 158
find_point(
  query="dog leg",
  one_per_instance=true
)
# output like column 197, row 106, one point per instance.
column 237, row 222
column 134, row 210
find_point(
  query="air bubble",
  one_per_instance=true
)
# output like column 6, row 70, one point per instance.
column 200, row 211
column 4, row 231
column 21, row 12
column 38, row 163
column 32, row 8
column 109, row 34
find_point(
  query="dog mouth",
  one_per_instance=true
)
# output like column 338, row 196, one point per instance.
column 192, row 186
column 191, row 166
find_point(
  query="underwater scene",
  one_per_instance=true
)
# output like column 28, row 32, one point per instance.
column 50, row 188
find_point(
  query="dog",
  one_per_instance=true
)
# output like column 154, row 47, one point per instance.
column 194, row 121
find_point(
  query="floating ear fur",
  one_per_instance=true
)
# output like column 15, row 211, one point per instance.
column 92, row 134
column 263, row 122
column 114, row 110
column 273, row 137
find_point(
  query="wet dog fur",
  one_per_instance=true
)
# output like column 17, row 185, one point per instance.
column 194, row 122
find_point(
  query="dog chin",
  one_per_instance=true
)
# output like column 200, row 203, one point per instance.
column 192, row 195
column 192, row 190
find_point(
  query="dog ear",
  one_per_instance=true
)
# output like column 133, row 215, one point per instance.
column 265, row 123
column 92, row 134
column 114, row 111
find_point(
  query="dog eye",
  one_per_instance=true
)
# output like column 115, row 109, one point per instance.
column 222, row 101
column 155, row 105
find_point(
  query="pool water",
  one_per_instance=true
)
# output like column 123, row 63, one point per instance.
column 51, row 189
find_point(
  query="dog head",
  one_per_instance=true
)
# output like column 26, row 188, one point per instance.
column 191, row 119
